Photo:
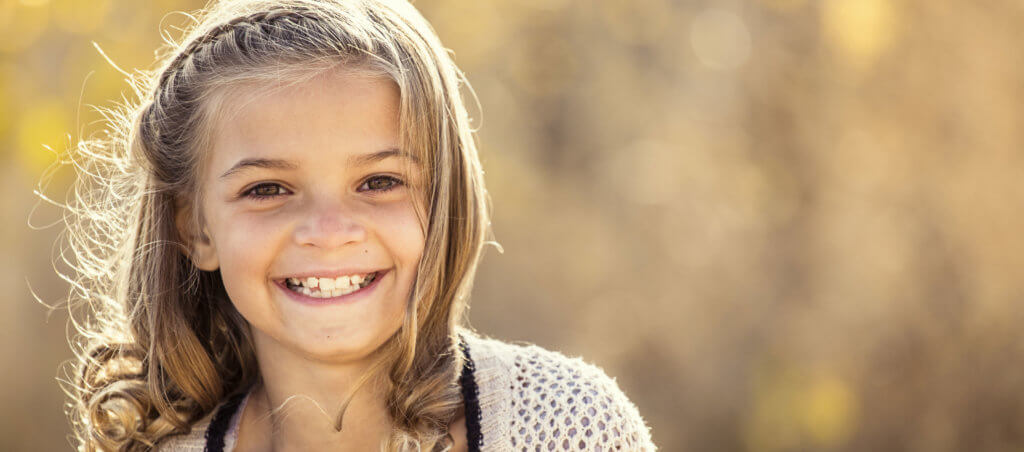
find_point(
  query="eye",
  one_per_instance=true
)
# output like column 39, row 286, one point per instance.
column 381, row 183
column 264, row 191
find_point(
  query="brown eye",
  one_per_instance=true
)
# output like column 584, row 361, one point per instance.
column 264, row 191
column 380, row 183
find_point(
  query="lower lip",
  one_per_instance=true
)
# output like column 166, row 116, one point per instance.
column 340, row 299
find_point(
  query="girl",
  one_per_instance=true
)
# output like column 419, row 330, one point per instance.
column 288, row 228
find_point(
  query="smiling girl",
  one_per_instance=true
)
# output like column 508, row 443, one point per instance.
column 282, row 251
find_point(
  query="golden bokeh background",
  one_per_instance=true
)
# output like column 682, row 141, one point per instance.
column 782, row 225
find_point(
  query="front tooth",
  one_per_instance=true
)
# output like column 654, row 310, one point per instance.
column 342, row 281
column 311, row 282
column 337, row 292
column 327, row 284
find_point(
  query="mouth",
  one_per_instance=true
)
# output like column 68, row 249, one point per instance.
column 330, row 287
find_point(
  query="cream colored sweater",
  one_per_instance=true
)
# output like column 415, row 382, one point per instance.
column 530, row 399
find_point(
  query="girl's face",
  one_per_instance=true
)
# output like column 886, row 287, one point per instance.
column 307, row 182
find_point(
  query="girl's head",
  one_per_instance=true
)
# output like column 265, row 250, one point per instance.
column 309, row 181
column 280, row 139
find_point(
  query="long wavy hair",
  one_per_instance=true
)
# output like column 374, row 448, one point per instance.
column 161, row 344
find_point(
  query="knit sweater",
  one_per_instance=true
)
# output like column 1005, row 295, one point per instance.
column 518, row 398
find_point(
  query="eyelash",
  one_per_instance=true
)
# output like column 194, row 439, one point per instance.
column 251, row 193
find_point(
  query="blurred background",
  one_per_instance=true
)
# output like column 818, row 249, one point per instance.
column 782, row 225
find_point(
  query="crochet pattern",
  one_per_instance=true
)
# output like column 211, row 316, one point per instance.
column 563, row 404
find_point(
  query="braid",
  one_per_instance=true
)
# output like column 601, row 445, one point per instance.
column 214, row 35
column 175, row 91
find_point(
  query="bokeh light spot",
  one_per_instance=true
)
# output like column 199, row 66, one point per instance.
column 784, row 5
column 77, row 16
column 859, row 29
column 21, row 24
column 829, row 411
column 40, row 125
column 646, row 172
column 720, row 39
column 638, row 21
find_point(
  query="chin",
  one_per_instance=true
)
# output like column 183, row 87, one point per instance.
column 339, row 345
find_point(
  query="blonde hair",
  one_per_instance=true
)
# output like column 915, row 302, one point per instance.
column 162, row 343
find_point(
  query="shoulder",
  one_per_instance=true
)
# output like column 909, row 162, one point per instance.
column 216, row 431
column 549, row 400
column 193, row 441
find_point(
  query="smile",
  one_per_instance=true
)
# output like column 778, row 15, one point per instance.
column 321, row 290
column 329, row 287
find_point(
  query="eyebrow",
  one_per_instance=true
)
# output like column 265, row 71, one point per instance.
column 356, row 160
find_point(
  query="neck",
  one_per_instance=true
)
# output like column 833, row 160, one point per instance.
column 298, row 401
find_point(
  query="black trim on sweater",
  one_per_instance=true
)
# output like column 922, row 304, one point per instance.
column 221, row 421
column 218, row 428
column 470, row 400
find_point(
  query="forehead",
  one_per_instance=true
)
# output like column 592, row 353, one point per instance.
column 324, row 120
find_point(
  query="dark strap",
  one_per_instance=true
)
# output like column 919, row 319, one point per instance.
column 221, row 421
column 470, row 400
column 218, row 428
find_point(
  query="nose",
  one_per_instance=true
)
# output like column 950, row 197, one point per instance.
column 330, row 225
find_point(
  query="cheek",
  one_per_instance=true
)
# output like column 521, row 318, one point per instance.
column 400, row 230
column 244, row 241
column 245, row 248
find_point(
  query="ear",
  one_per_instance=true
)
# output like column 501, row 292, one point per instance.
column 203, row 253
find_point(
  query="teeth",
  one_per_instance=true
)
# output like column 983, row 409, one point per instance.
column 327, row 294
column 329, row 287
column 326, row 284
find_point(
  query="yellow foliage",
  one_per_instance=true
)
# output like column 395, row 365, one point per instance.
column 20, row 24
column 77, row 16
column 43, row 124
column 793, row 409
column 784, row 5
column 828, row 411
column 859, row 29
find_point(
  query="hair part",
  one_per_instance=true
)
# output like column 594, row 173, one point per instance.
column 163, row 344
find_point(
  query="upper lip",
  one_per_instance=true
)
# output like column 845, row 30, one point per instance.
column 328, row 273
